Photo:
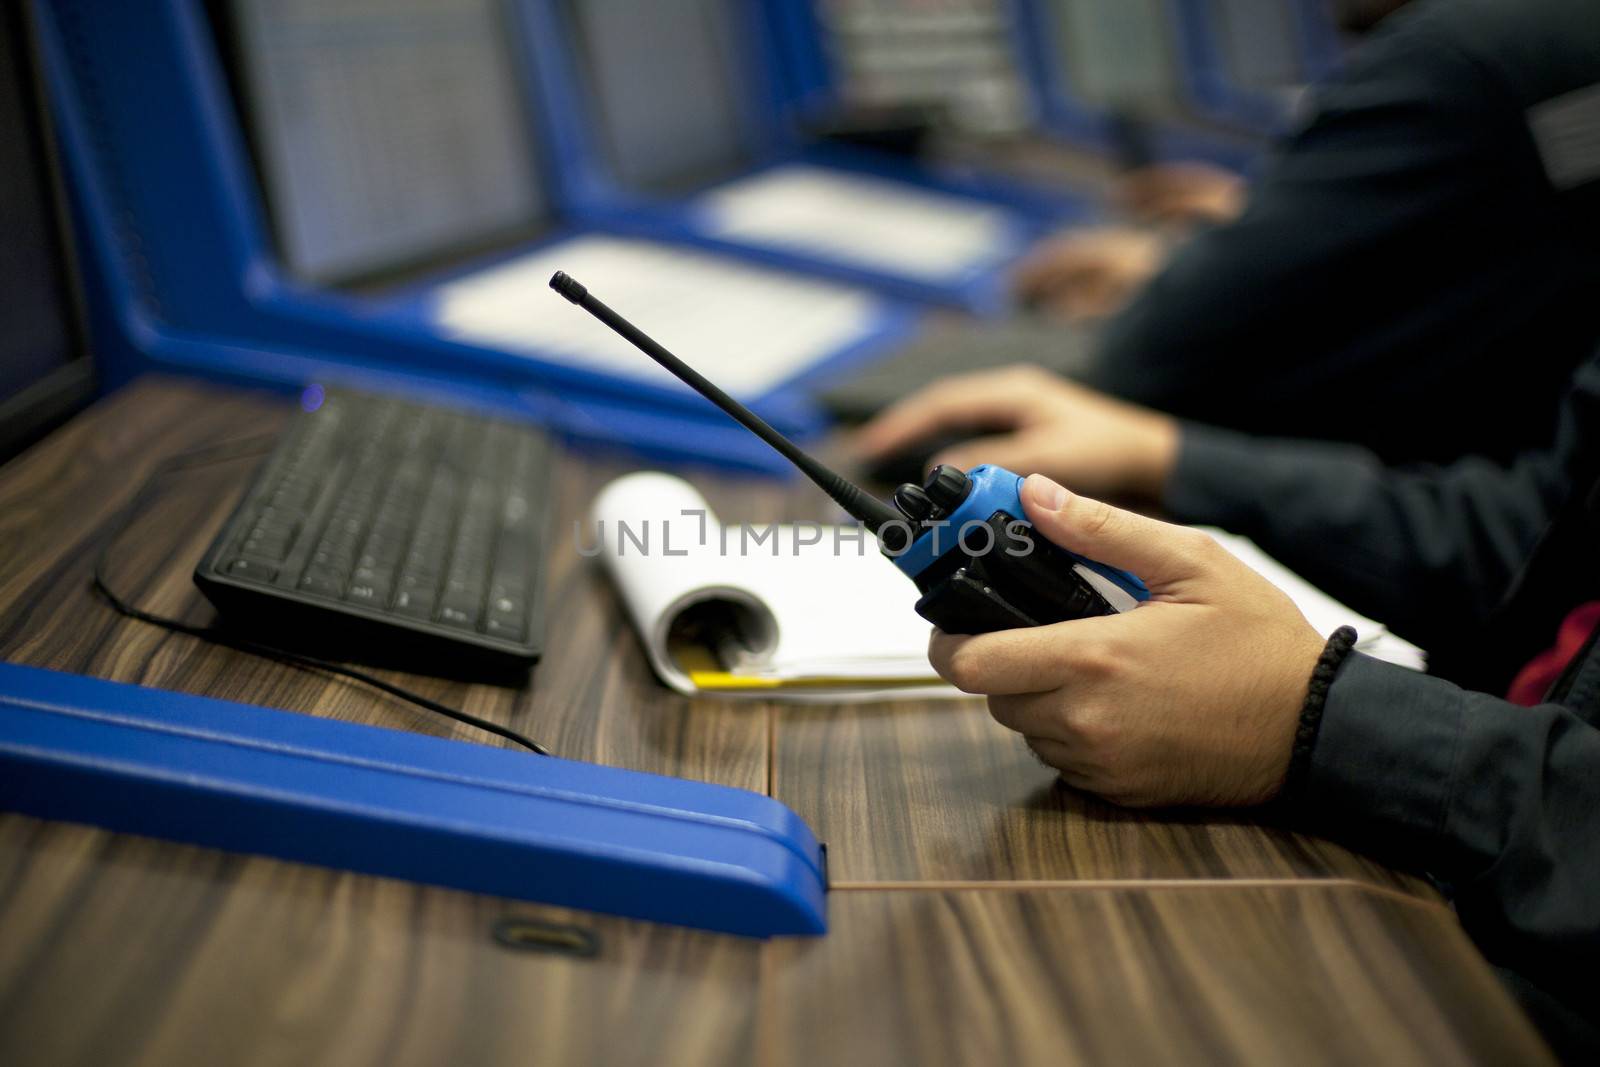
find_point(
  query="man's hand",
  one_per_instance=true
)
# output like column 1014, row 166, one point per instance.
column 1190, row 698
column 1183, row 194
column 1089, row 274
column 1034, row 423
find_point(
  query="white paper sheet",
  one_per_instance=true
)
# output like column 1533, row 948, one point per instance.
column 819, row 601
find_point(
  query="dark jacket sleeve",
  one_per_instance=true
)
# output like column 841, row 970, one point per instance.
column 1498, row 802
column 1396, row 251
column 1426, row 551
column 1398, row 148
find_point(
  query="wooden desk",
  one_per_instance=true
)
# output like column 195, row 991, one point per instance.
column 980, row 912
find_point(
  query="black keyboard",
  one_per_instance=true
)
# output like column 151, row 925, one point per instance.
column 395, row 532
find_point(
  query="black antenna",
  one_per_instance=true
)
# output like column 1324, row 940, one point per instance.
column 872, row 512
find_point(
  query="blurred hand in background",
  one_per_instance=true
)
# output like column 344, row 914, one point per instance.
column 1183, row 195
column 1030, row 421
column 1089, row 274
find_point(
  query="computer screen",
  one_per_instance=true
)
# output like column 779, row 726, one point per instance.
column 44, row 371
column 958, row 56
column 665, row 84
column 1116, row 53
column 389, row 132
column 1257, row 41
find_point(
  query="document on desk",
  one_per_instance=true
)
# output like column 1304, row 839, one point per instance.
column 793, row 612
column 807, row 612
column 865, row 221
column 1324, row 613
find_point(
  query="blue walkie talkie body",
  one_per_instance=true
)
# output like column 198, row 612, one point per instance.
column 973, row 556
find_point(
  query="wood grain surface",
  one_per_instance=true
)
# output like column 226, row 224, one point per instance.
column 902, row 791
column 1080, row 932
column 592, row 697
column 123, row 950
column 1282, row 974
column 880, row 785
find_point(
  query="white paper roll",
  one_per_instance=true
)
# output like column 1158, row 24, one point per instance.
column 640, row 521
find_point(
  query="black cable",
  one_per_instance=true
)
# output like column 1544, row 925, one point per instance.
column 239, row 449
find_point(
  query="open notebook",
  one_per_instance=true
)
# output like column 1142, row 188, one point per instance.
column 807, row 612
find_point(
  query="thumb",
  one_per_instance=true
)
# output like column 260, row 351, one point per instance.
column 1159, row 553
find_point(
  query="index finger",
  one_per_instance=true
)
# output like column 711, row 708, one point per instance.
column 1066, row 262
column 965, row 400
column 1138, row 188
column 1037, row 270
column 1033, row 659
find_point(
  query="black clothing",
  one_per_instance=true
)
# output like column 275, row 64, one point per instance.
column 1432, row 552
column 1423, row 252
column 1479, row 565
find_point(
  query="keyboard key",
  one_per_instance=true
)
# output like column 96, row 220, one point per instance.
column 506, row 617
column 415, row 603
column 461, row 603
column 371, row 594
column 253, row 569
column 321, row 581
column 459, row 616
column 508, row 631
column 267, row 548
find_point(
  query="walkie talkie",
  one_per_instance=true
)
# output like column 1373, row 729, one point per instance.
column 960, row 537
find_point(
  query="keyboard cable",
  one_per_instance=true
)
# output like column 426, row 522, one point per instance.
column 221, row 453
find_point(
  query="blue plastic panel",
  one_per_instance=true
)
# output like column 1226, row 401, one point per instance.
column 1308, row 43
column 1063, row 114
column 1202, row 78
column 768, row 94
column 994, row 489
column 182, row 273
column 385, row 802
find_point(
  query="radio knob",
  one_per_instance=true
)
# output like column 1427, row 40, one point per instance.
column 947, row 487
column 913, row 503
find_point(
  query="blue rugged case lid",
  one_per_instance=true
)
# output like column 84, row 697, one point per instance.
column 994, row 489
column 386, row 802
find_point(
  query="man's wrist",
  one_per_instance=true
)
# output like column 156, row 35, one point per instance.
column 1156, row 457
column 1334, row 653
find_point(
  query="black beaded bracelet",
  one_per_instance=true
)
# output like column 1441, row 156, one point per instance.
column 1333, row 656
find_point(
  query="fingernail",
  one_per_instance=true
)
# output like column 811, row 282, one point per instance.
column 1047, row 492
